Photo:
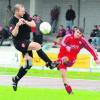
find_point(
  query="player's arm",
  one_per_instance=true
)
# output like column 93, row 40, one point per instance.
column 14, row 30
column 64, row 42
column 28, row 20
column 87, row 46
column 30, row 23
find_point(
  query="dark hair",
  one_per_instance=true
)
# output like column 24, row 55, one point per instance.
column 35, row 15
column 26, row 15
column 75, row 27
column 96, row 26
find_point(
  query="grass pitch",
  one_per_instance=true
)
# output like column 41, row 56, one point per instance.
column 24, row 93
column 53, row 73
column 46, row 94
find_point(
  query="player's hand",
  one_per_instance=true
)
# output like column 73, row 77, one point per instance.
column 25, row 21
column 20, row 22
column 97, row 61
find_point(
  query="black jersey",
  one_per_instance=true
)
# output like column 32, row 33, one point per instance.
column 24, row 30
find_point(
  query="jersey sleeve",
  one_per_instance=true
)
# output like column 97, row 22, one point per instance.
column 11, row 25
column 87, row 46
column 64, row 41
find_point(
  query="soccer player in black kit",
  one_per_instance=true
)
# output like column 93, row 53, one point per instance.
column 20, row 27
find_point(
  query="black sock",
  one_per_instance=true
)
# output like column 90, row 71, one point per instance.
column 23, row 70
column 43, row 56
column 21, row 73
column 65, row 84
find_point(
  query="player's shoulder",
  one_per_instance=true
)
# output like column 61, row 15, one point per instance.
column 27, row 16
column 68, row 35
column 12, row 20
column 83, row 40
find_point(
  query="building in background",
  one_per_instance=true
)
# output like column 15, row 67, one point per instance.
column 87, row 11
column 6, row 5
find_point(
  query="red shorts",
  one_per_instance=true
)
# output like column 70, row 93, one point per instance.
column 64, row 66
column 64, row 54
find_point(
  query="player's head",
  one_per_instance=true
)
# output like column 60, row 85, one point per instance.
column 96, row 26
column 75, row 27
column 78, row 32
column 19, row 10
column 36, row 17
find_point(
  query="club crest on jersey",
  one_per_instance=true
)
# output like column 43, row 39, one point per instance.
column 23, row 45
column 80, row 42
column 74, row 46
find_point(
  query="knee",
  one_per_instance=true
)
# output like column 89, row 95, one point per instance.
column 38, row 46
column 27, row 67
column 28, row 63
column 27, row 57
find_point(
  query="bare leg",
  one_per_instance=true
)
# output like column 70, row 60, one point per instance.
column 67, row 87
column 63, row 75
column 34, row 46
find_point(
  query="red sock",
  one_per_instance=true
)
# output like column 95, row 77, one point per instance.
column 68, row 88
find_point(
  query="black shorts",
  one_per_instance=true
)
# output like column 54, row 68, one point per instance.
column 22, row 46
column 38, row 38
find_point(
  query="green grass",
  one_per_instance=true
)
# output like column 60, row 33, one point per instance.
column 6, row 93
column 53, row 74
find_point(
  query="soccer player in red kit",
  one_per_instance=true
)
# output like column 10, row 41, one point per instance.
column 70, row 47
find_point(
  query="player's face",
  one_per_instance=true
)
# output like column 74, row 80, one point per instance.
column 38, row 18
column 77, row 33
column 75, row 29
column 21, row 11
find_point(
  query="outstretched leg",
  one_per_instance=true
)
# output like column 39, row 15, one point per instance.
column 42, row 54
column 67, row 87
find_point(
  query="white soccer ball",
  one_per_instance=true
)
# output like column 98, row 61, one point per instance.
column 45, row 28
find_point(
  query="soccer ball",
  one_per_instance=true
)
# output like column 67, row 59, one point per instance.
column 45, row 28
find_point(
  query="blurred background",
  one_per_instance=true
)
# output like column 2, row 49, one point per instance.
column 63, row 15
column 87, row 11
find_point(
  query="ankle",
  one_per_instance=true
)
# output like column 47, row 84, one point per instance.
column 65, row 84
column 17, row 78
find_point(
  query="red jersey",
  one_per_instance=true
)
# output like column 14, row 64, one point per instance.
column 33, row 29
column 70, row 47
